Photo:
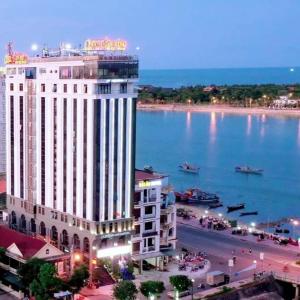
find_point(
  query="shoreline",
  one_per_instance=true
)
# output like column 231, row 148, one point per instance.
column 219, row 109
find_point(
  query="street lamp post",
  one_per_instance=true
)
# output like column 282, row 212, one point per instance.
column 295, row 223
column 254, row 269
column 261, row 257
column 193, row 280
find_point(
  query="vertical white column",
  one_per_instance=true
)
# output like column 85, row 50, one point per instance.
column 120, row 157
column 79, row 154
column 128, row 157
column 102, row 158
column 70, row 136
column 37, row 124
column 49, row 149
column 8, row 145
column 16, row 146
column 111, row 158
column 60, row 154
column 90, row 159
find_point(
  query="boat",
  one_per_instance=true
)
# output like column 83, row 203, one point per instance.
column 188, row 168
column 249, row 213
column 235, row 207
column 215, row 205
column 248, row 170
column 197, row 196
column 148, row 169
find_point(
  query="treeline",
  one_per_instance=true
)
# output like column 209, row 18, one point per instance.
column 245, row 95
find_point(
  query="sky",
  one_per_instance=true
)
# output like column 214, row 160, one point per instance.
column 171, row 34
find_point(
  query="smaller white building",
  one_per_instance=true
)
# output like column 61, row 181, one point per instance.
column 154, row 212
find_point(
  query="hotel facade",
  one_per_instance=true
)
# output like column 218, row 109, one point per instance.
column 71, row 146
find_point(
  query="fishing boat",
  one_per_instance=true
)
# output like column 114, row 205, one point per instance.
column 248, row 170
column 188, row 168
column 250, row 213
column 235, row 207
column 215, row 205
column 148, row 169
column 196, row 196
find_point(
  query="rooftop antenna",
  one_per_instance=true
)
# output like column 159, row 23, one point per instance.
column 10, row 48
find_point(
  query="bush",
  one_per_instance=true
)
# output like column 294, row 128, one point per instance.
column 150, row 287
column 125, row 290
column 180, row 283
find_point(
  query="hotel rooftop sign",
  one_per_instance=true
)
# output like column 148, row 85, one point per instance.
column 16, row 58
column 105, row 45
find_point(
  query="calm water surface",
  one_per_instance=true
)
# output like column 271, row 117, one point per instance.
column 217, row 143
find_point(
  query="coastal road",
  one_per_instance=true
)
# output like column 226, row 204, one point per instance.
column 220, row 246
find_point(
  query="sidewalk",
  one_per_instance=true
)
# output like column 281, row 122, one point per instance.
column 212, row 291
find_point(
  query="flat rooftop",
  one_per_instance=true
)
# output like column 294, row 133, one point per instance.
column 142, row 175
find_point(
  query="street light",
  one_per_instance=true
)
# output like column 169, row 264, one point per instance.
column 295, row 223
column 34, row 47
column 192, row 280
column 253, row 224
column 220, row 215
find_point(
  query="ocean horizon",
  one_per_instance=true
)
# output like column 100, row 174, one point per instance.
column 175, row 78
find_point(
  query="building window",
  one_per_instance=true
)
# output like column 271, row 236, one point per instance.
column 20, row 71
column 148, row 225
column 65, row 88
column 11, row 87
column 42, row 71
column 21, row 87
column 85, row 88
column 11, row 71
column 12, row 145
column 54, row 90
column 104, row 88
column 30, row 73
column 65, row 72
column 43, row 87
column 75, row 88
column 149, row 210
column 123, row 88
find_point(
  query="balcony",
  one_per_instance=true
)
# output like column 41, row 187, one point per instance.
column 149, row 233
column 149, row 249
column 149, row 216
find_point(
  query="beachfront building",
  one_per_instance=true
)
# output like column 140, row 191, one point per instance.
column 71, row 146
column 154, row 237
column 2, row 122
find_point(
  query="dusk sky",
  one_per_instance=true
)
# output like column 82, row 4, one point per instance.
column 170, row 33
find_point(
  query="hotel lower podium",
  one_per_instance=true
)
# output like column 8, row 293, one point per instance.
column 71, row 146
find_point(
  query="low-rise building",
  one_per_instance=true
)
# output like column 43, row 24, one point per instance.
column 19, row 248
column 154, row 236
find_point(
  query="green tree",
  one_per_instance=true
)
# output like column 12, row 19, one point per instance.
column 180, row 282
column 30, row 270
column 78, row 278
column 125, row 290
column 46, row 283
column 149, row 288
column 2, row 253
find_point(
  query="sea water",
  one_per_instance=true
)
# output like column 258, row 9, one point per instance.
column 218, row 142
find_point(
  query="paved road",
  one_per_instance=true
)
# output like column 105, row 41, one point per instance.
column 219, row 247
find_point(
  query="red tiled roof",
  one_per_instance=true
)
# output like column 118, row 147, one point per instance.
column 143, row 175
column 28, row 246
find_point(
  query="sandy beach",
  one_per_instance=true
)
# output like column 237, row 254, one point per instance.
column 219, row 109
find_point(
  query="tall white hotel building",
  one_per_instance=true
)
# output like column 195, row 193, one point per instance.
column 71, row 146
